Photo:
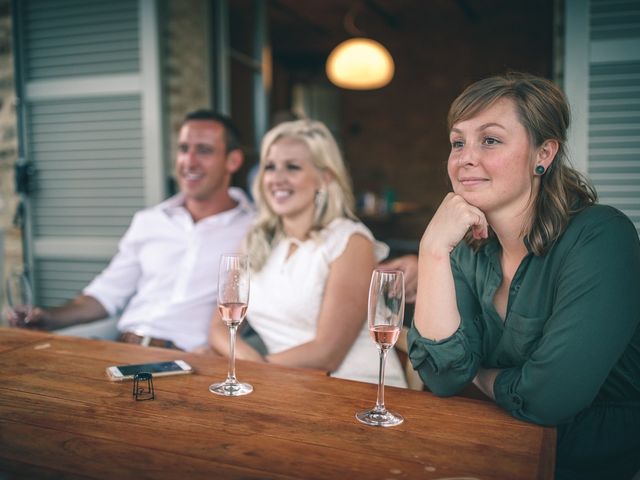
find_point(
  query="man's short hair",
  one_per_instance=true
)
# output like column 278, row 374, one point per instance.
column 231, row 132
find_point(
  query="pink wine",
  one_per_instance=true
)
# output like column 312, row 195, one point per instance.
column 232, row 313
column 385, row 335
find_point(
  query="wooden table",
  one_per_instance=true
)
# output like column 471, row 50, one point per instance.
column 60, row 416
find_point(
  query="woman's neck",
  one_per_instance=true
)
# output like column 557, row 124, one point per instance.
column 510, row 231
column 298, row 227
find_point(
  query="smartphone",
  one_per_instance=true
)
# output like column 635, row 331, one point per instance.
column 157, row 369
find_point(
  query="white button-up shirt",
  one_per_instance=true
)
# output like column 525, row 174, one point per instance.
column 164, row 278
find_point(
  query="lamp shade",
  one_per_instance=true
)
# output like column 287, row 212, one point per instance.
column 360, row 64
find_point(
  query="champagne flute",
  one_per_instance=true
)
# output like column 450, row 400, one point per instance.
column 19, row 299
column 233, row 299
column 385, row 316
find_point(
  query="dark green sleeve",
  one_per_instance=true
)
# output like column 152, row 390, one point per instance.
column 595, row 313
column 448, row 365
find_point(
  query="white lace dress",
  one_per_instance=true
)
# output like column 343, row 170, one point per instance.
column 286, row 296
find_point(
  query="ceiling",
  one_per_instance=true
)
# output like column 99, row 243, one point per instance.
column 315, row 27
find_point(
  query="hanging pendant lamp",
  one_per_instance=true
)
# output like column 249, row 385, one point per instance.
column 360, row 64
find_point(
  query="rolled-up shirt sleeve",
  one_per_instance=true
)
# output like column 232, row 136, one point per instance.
column 595, row 314
column 446, row 366
column 117, row 283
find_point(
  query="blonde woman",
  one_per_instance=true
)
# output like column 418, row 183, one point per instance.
column 311, row 261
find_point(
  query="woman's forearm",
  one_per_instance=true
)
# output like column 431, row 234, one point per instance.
column 219, row 342
column 436, row 312
column 314, row 354
column 484, row 380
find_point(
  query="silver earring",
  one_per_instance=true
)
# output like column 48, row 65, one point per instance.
column 321, row 203
column 321, row 198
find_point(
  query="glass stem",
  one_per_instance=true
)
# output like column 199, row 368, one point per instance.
column 380, row 400
column 231, row 375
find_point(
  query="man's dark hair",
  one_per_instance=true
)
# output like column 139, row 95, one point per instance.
column 231, row 133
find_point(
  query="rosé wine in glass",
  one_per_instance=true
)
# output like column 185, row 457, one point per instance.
column 232, row 313
column 385, row 336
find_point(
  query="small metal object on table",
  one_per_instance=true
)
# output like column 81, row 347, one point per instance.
column 143, row 386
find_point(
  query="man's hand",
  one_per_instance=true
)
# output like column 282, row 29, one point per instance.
column 27, row 317
column 81, row 309
column 409, row 265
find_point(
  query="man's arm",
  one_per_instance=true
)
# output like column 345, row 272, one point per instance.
column 81, row 309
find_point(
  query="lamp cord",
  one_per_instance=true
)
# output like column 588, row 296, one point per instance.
column 349, row 21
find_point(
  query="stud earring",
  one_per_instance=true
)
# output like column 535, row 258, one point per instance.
column 539, row 170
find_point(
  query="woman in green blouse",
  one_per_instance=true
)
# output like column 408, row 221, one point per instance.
column 526, row 287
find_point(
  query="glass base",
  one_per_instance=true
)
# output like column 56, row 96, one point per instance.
column 379, row 418
column 230, row 389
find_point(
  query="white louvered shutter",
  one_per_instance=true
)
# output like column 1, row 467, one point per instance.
column 89, row 83
column 602, row 79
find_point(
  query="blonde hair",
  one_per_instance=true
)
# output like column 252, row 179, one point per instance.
column 335, row 201
column 543, row 110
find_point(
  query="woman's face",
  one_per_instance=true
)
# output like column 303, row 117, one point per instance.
column 290, row 180
column 491, row 160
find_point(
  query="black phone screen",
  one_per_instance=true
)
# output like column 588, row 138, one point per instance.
column 128, row 370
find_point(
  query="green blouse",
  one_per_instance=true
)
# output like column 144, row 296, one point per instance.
column 570, row 342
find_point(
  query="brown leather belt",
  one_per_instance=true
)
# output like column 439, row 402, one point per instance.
column 130, row 337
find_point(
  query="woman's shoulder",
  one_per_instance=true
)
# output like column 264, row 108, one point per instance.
column 336, row 235
column 600, row 227
column 599, row 217
column 345, row 226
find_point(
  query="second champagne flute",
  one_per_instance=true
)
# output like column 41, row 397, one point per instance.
column 233, row 300
column 19, row 299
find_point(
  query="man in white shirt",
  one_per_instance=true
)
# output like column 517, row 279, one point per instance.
column 163, row 280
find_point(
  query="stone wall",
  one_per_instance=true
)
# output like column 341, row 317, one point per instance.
column 186, row 67
column 11, row 251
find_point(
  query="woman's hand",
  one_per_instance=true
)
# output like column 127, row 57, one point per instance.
column 219, row 342
column 485, row 379
column 204, row 350
column 451, row 222
column 247, row 352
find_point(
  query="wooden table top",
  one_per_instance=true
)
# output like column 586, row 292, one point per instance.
column 60, row 416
